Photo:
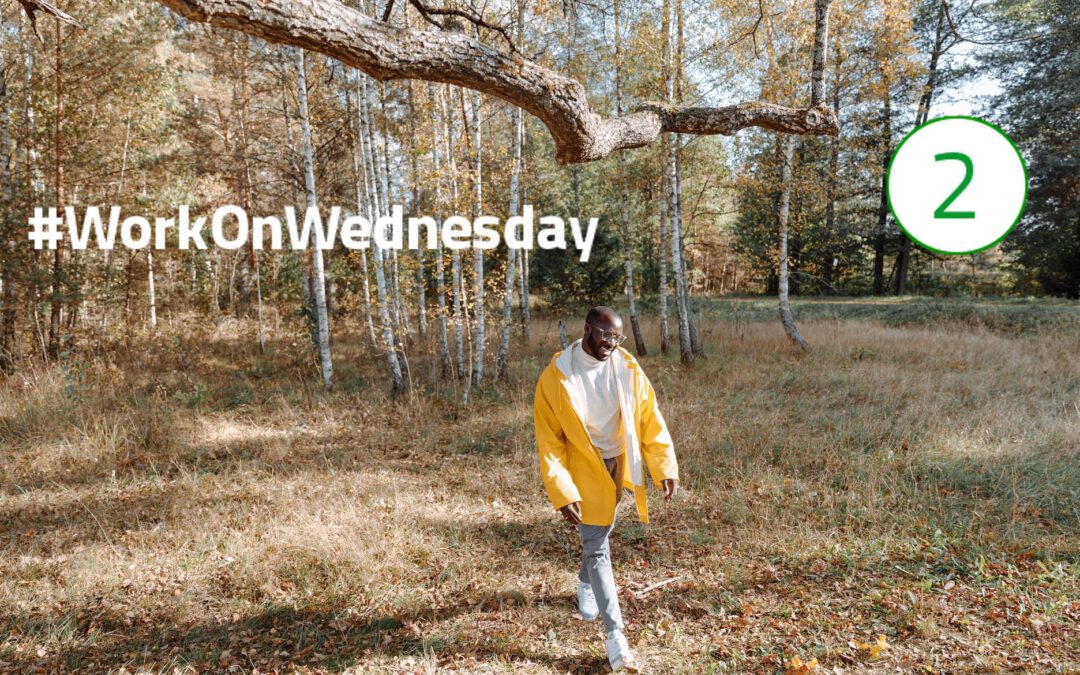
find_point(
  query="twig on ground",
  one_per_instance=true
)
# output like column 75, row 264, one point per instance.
column 657, row 585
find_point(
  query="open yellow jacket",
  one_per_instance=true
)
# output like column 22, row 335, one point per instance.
column 571, row 466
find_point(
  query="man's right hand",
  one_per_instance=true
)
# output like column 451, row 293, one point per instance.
column 572, row 513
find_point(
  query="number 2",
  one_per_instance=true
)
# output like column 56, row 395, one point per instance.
column 941, row 211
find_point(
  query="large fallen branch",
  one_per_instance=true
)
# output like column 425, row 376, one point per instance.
column 386, row 51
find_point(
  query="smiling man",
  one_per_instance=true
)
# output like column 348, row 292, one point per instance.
column 598, row 428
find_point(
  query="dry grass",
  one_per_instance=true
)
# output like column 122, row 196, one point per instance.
column 193, row 506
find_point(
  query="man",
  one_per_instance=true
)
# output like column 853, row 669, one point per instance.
column 597, row 428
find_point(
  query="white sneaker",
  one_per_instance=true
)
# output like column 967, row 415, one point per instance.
column 618, row 651
column 586, row 602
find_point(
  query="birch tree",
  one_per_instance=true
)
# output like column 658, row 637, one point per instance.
column 787, row 149
column 318, row 274
column 674, row 190
column 502, row 361
column 635, row 324
column 440, row 264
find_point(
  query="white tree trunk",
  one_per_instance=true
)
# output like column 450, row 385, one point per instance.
column 479, row 312
column 686, row 352
column 440, row 265
column 319, row 278
column 150, row 282
column 455, row 264
column 502, row 362
column 665, row 336
column 526, row 319
column 635, row 325
column 788, row 149
column 362, row 199
column 370, row 171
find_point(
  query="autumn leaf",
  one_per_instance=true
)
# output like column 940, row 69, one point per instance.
column 872, row 649
column 796, row 666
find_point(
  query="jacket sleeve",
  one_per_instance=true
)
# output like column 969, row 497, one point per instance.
column 554, row 454
column 656, row 443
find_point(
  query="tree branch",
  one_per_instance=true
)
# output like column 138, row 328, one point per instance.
column 385, row 52
column 821, row 46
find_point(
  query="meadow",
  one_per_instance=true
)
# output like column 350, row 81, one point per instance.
column 904, row 498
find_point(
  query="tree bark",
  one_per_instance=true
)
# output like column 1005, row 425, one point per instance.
column 386, row 51
column 479, row 312
column 502, row 360
column 56, row 298
column 674, row 193
column 665, row 339
column 7, row 236
column 635, row 324
column 883, row 202
column 375, row 205
column 833, row 177
column 788, row 149
column 319, row 278
column 440, row 263
column 414, row 159
column 526, row 318
column 455, row 262
column 361, row 189
column 903, row 260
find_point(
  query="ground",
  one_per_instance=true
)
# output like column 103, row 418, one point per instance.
column 905, row 498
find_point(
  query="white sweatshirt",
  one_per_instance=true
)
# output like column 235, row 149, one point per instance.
column 595, row 380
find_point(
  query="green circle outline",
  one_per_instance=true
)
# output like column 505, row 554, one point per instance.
column 888, row 183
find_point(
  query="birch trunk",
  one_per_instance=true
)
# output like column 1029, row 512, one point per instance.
column 686, row 352
column 883, row 203
column 788, row 148
column 834, row 176
column 7, row 238
column 695, row 342
column 150, row 288
column 360, row 187
column 440, row 264
column 414, row 157
column 459, row 328
column 502, row 362
column 665, row 337
column 301, row 258
column 107, row 253
column 319, row 278
column 526, row 319
column 635, row 324
column 56, row 298
column 479, row 312
column 397, row 381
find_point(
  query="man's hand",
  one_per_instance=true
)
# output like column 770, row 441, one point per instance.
column 572, row 513
column 671, row 486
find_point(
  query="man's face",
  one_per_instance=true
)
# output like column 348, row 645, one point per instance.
column 593, row 340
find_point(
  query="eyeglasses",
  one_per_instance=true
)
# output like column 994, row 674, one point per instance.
column 609, row 336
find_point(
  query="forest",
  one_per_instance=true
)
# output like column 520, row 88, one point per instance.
column 322, row 458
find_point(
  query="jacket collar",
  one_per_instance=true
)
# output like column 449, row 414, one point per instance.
column 622, row 363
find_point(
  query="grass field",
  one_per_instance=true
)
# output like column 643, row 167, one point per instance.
column 905, row 498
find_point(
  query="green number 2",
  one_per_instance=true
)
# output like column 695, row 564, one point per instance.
column 941, row 211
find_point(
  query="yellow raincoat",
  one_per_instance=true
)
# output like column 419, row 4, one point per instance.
column 571, row 466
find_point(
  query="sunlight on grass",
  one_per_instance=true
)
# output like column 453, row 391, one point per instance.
column 170, row 513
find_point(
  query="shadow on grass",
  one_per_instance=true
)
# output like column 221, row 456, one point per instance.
column 274, row 639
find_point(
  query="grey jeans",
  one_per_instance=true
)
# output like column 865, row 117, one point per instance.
column 596, row 568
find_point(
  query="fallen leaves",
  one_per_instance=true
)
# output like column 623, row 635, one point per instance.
column 872, row 650
column 796, row 666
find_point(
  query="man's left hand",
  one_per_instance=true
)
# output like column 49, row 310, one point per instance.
column 671, row 486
